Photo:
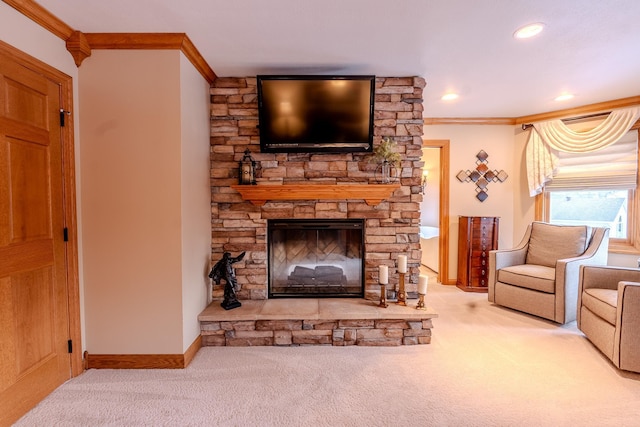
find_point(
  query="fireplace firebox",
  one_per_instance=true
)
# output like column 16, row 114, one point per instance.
column 316, row 258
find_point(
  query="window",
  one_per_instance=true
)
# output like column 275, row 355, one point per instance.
column 597, row 208
column 598, row 189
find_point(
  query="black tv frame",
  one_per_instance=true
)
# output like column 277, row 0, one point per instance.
column 267, row 146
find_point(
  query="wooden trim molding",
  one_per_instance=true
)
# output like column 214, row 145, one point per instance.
column 192, row 351
column 135, row 40
column 143, row 361
column 135, row 361
column 558, row 114
column 178, row 41
column 469, row 121
column 579, row 111
column 42, row 17
column 80, row 44
column 193, row 55
column 443, row 243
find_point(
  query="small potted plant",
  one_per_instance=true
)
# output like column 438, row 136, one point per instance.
column 387, row 157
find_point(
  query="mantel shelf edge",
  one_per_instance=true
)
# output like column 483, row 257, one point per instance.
column 372, row 194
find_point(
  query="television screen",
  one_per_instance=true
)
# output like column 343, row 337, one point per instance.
column 316, row 113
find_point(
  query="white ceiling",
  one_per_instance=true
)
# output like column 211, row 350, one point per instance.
column 589, row 47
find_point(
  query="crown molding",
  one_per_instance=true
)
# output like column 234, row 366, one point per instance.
column 558, row 114
column 78, row 47
column 135, row 40
column 42, row 17
column 80, row 44
column 469, row 121
column 178, row 41
column 580, row 111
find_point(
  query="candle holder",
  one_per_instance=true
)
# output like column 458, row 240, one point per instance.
column 383, row 296
column 402, row 296
column 420, row 305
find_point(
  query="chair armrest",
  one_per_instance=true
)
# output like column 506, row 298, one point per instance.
column 603, row 277
column 629, row 301
column 568, row 285
column 626, row 353
column 629, row 293
column 606, row 277
column 597, row 253
column 504, row 258
column 501, row 258
column 508, row 257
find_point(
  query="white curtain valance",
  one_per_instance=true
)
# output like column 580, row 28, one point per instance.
column 547, row 138
column 613, row 167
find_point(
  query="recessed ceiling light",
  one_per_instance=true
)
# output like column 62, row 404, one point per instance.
column 529, row 30
column 449, row 96
column 564, row 97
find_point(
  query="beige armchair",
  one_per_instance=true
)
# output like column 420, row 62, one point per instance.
column 540, row 276
column 609, row 313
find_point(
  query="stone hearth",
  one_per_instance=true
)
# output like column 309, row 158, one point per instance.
column 311, row 321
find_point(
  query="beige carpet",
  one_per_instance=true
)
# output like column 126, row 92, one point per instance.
column 486, row 366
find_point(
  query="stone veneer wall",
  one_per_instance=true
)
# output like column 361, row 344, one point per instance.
column 391, row 227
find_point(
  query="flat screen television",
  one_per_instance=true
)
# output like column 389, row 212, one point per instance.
column 331, row 114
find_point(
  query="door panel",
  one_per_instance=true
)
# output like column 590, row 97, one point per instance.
column 34, row 317
column 29, row 191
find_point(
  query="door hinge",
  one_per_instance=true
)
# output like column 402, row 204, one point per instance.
column 63, row 113
column 70, row 345
column 65, row 234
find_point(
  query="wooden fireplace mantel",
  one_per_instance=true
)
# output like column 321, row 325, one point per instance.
column 371, row 193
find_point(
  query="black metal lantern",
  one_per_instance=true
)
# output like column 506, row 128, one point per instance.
column 247, row 175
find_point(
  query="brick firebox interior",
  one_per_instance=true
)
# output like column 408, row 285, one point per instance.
column 391, row 227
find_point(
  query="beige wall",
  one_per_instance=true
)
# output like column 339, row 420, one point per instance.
column 465, row 142
column 196, row 198
column 133, row 189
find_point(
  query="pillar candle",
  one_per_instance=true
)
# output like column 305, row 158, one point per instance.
column 402, row 263
column 422, row 284
column 383, row 275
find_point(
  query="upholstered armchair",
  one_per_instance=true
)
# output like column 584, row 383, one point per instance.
column 609, row 313
column 540, row 275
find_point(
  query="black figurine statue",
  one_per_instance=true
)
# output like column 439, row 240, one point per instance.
column 224, row 270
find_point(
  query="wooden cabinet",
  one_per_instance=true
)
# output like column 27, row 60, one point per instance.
column 477, row 235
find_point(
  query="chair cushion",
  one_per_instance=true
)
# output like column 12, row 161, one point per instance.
column 536, row 277
column 549, row 243
column 602, row 302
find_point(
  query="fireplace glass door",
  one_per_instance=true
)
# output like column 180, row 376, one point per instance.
column 316, row 258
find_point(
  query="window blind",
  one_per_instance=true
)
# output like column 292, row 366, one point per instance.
column 614, row 167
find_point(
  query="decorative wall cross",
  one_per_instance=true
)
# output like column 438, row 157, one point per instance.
column 482, row 176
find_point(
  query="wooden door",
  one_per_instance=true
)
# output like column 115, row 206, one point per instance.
column 34, row 313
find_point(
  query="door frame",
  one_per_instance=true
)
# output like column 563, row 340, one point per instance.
column 443, row 221
column 69, row 194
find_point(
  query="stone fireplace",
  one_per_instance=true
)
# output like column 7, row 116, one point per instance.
column 315, row 258
column 389, row 227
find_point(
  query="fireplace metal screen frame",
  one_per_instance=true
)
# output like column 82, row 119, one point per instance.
column 316, row 224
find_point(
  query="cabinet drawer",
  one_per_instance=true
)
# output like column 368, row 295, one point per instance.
column 479, row 272
column 479, row 279
column 479, row 262
column 479, row 282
